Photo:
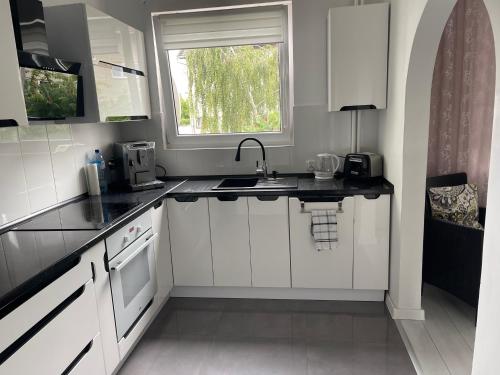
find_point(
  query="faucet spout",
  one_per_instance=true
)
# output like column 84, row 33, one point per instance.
column 262, row 169
column 238, row 153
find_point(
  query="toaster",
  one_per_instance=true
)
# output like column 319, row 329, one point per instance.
column 363, row 165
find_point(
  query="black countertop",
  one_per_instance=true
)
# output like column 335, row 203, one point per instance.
column 35, row 252
column 307, row 186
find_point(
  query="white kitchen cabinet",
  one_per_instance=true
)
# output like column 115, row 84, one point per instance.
column 321, row 269
column 113, row 61
column 190, row 241
column 269, row 241
column 358, row 41
column 102, row 287
column 163, row 256
column 114, row 41
column 59, row 341
column 12, row 106
column 91, row 361
column 371, row 242
column 230, row 241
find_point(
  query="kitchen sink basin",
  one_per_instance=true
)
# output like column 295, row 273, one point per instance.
column 237, row 183
column 257, row 183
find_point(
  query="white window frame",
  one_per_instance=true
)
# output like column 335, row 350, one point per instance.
column 216, row 141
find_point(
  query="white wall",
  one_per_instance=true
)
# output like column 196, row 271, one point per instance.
column 403, row 133
column 316, row 130
column 488, row 330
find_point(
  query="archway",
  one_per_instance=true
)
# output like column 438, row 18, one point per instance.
column 415, row 141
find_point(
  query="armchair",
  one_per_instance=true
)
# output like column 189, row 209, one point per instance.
column 452, row 253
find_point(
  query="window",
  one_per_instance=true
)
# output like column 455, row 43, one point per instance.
column 225, row 74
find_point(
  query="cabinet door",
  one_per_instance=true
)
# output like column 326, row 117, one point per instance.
column 190, row 242
column 102, row 287
column 269, row 242
column 12, row 107
column 162, row 251
column 230, row 242
column 115, row 42
column 327, row 268
column 371, row 242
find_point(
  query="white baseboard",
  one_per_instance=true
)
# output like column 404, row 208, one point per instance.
column 278, row 293
column 409, row 348
column 399, row 313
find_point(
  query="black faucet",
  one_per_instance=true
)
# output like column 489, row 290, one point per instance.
column 263, row 168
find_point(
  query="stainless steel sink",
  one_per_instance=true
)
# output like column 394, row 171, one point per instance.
column 255, row 183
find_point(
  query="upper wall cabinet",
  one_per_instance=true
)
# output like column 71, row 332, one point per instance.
column 12, row 108
column 113, row 57
column 358, row 40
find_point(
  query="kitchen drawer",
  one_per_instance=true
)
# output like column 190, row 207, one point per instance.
column 90, row 361
column 30, row 312
column 59, row 337
column 321, row 269
column 127, row 234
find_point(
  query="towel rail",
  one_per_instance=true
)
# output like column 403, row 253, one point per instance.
column 339, row 210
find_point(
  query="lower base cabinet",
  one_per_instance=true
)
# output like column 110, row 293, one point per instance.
column 91, row 360
column 61, row 342
column 269, row 241
column 190, row 241
column 371, row 242
column 327, row 268
column 230, row 241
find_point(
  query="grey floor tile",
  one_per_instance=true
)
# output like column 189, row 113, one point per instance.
column 142, row 358
column 181, row 356
column 252, row 356
column 187, row 303
column 235, row 324
column 334, row 327
column 197, row 322
column 333, row 358
column 371, row 329
column 381, row 359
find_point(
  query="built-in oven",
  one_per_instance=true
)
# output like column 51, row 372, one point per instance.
column 132, row 270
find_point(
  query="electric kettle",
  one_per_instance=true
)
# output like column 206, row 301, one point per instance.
column 325, row 166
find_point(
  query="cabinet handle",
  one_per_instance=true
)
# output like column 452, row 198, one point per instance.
column 189, row 198
column 29, row 334
column 78, row 358
column 8, row 122
column 267, row 198
column 227, row 198
column 372, row 196
column 157, row 205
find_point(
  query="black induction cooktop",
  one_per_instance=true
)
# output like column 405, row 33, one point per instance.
column 89, row 213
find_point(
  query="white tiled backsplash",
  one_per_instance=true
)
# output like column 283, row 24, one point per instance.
column 42, row 165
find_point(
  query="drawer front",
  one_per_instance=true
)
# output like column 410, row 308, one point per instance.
column 30, row 312
column 327, row 268
column 55, row 346
column 128, row 234
column 91, row 361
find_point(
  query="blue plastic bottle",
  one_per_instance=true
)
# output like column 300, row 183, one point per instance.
column 101, row 169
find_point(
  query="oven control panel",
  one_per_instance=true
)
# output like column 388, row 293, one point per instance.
column 127, row 234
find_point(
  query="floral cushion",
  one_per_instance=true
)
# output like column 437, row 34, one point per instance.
column 458, row 204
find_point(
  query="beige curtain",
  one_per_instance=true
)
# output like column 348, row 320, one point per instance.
column 462, row 96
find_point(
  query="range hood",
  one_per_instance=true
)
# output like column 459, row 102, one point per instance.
column 52, row 87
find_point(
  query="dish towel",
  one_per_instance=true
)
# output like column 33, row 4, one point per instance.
column 324, row 229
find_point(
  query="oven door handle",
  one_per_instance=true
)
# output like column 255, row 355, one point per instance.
column 128, row 259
